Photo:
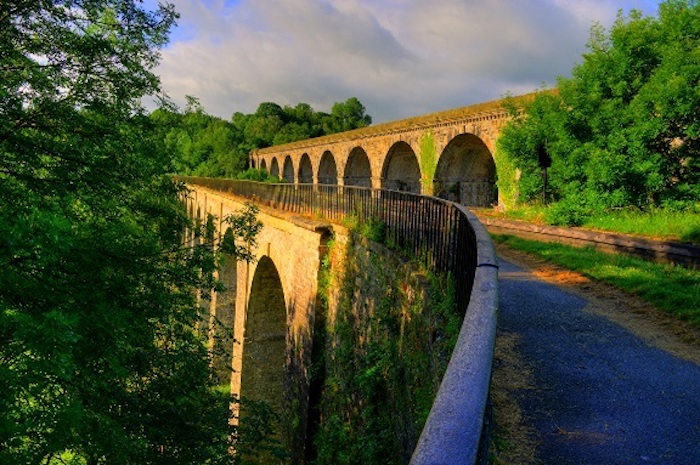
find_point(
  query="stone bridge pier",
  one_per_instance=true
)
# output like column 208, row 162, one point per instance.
column 270, row 307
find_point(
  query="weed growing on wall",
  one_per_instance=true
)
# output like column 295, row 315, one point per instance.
column 388, row 337
column 507, row 180
column 428, row 161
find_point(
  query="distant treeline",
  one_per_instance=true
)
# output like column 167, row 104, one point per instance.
column 206, row 145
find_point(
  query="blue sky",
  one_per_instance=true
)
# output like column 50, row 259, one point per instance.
column 401, row 58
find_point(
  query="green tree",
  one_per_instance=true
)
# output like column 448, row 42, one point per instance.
column 346, row 116
column 202, row 144
column 99, row 362
column 205, row 145
column 623, row 129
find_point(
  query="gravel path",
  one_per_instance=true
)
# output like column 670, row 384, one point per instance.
column 585, row 377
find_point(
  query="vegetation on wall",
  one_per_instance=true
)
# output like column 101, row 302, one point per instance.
column 507, row 179
column 388, row 336
column 428, row 161
column 624, row 130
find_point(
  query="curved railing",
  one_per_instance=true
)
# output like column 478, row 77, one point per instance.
column 449, row 239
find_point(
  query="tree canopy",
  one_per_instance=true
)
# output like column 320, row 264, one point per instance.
column 99, row 362
column 205, row 145
column 624, row 130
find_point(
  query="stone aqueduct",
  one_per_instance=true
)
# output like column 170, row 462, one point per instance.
column 449, row 154
column 270, row 304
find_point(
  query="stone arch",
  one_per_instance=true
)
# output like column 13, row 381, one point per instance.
column 306, row 171
column 327, row 170
column 357, row 169
column 263, row 164
column 401, row 170
column 288, row 171
column 275, row 168
column 264, row 347
column 223, row 319
column 466, row 172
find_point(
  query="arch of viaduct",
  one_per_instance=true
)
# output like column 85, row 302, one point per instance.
column 269, row 303
column 449, row 154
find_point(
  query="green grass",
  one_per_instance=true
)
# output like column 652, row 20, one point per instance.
column 669, row 225
column 658, row 224
column 672, row 288
column 533, row 213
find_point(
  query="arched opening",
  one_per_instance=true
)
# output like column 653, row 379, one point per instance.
column 263, row 165
column 306, row 172
column 275, row 168
column 466, row 173
column 357, row 169
column 288, row 172
column 401, row 171
column 221, row 331
column 264, row 346
column 327, row 171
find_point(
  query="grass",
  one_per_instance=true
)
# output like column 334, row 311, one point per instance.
column 657, row 224
column 660, row 224
column 671, row 288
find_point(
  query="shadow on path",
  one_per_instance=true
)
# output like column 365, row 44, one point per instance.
column 600, row 394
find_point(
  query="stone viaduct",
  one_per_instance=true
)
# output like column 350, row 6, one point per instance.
column 449, row 154
column 270, row 303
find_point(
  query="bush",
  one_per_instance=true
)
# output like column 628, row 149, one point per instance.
column 258, row 174
column 567, row 213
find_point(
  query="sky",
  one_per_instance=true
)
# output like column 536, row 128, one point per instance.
column 400, row 58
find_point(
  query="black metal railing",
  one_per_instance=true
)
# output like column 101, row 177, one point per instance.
column 432, row 229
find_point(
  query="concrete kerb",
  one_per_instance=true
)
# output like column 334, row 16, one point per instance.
column 453, row 432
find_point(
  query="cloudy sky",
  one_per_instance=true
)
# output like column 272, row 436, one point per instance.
column 401, row 58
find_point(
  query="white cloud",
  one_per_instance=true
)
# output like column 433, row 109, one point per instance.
column 401, row 58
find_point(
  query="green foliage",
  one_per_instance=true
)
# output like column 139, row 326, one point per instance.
column 372, row 229
column 202, row 145
column 387, row 346
column 428, row 161
column 258, row 174
column 256, row 442
column 507, row 180
column 346, row 116
column 665, row 224
column 623, row 130
column 205, row 145
column 100, row 361
column 659, row 223
column 240, row 238
column 671, row 288
column 522, row 179
column 566, row 213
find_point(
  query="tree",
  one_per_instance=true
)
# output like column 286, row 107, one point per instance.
column 99, row 362
column 347, row 116
column 205, row 145
column 624, row 129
